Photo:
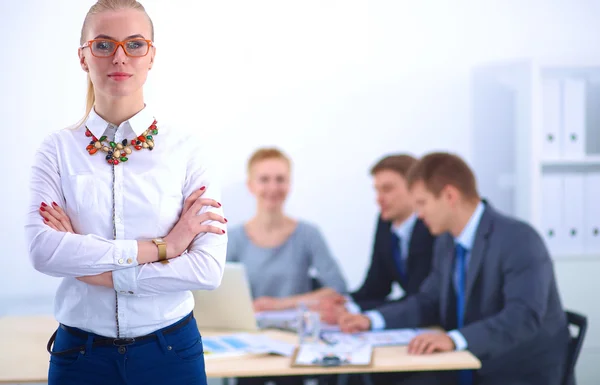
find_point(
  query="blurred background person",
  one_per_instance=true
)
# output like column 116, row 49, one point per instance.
column 279, row 251
column 402, row 248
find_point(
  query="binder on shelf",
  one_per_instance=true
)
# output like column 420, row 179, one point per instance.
column 592, row 116
column 591, row 199
column 573, row 214
column 574, row 118
column 552, row 213
column 551, row 118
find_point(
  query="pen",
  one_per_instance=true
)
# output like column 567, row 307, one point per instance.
column 323, row 339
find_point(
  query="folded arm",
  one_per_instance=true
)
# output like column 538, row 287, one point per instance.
column 61, row 254
column 201, row 265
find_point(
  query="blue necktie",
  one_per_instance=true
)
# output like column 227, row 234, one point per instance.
column 397, row 252
column 460, row 284
column 465, row 377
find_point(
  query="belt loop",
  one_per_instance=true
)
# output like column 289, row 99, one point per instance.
column 162, row 342
column 89, row 343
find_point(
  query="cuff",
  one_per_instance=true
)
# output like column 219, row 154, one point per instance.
column 352, row 306
column 125, row 253
column 125, row 281
column 377, row 321
column 459, row 340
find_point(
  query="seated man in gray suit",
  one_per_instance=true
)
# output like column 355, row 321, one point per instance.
column 492, row 287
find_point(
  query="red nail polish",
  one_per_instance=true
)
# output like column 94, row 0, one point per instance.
column 45, row 219
column 202, row 188
column 54, row 204
column 225, row 220
column 219, row 203
column 223, row 231
column 42, row 209
column 44, row 205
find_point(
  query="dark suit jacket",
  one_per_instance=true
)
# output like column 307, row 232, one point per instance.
column 514, row 320
column 383, row 271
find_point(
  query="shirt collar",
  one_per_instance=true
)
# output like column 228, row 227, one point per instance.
column 137, row 123
column 404, row 229
column 467, row 236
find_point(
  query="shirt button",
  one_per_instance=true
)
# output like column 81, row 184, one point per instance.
column 122, row 292
column 118, row 220
column 130, row 292
column 121, row 261
column 129, row 260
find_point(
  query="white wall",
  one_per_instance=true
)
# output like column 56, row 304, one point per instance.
column 337, row 84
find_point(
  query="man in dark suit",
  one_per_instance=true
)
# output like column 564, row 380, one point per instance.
column 492, row 287
column 402, row 247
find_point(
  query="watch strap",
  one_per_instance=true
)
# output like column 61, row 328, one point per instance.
column 162, row 250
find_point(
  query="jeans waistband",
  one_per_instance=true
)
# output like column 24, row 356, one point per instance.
column 109, row 341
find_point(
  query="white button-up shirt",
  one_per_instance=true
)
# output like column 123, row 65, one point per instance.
column 111, row 208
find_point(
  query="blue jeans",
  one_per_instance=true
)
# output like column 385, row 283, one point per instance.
column 170, row 358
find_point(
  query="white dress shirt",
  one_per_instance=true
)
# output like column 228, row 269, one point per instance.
column 149, row 191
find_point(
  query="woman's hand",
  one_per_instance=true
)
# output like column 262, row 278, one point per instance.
column 191, row 224
column 56, row 218
column 268, row 303
column 332, row 308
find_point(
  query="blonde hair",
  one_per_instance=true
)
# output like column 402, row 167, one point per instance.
column 101, row 6
column 267, row 153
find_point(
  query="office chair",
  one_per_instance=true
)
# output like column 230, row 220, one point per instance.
column 575, row 344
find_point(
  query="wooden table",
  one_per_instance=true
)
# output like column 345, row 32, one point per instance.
column 23, row 356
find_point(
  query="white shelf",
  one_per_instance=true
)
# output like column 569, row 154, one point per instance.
column 587, row 161
column 513, row 168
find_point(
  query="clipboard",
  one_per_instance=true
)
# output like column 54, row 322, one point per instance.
column 311, row 355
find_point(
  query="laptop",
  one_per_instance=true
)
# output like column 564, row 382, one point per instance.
column 229, row 306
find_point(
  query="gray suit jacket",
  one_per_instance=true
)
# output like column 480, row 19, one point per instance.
column 514, row 320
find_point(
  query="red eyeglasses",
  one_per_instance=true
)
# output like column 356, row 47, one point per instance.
column 108, row 47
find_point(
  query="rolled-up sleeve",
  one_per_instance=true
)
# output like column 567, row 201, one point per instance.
column 61, row 254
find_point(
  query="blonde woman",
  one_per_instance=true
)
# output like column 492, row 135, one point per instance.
column 279, row 251
column 130, row 221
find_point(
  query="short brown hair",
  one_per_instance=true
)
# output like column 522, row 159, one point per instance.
column 399, row 163
column 440, row 169
column 267, row 153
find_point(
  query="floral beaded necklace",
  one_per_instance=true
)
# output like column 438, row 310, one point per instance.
column 118, row 152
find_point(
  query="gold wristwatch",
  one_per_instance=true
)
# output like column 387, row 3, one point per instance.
column 162, row 249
